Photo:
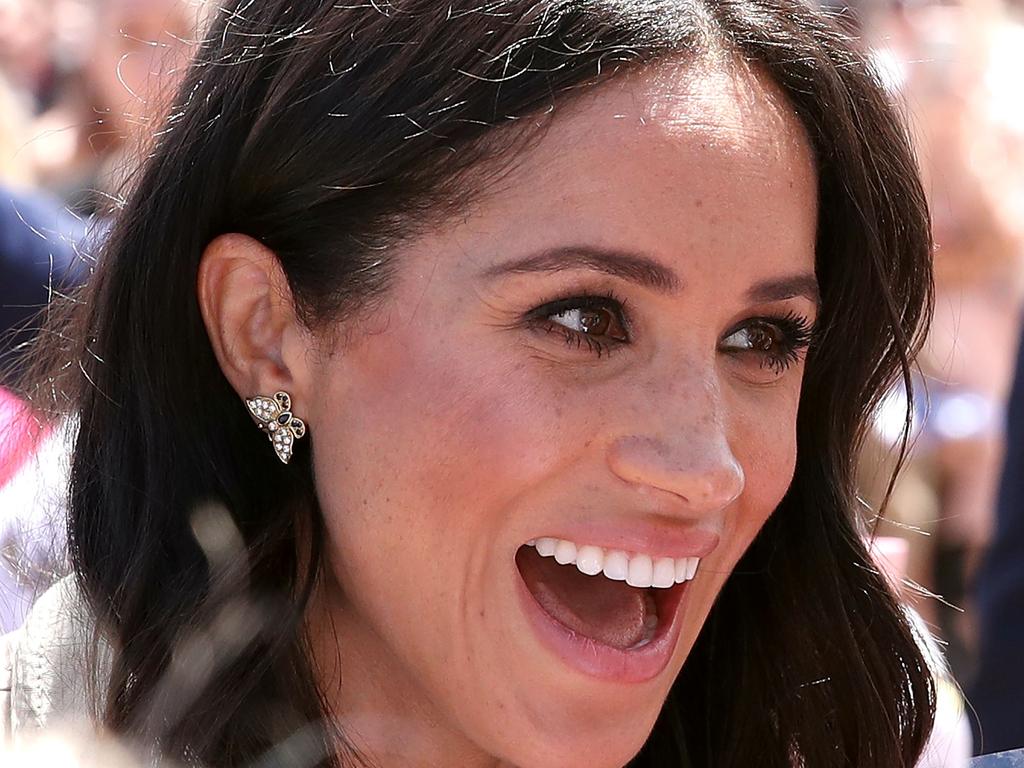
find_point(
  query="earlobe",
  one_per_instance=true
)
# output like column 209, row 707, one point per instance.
column 247, row 308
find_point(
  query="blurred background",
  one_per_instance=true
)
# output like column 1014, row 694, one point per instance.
column 83, row 84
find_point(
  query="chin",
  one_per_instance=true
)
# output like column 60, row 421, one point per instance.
column 613, row 747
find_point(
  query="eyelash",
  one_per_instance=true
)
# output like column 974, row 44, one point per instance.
column 796, row 331
column 797, row 335
column 542, row 315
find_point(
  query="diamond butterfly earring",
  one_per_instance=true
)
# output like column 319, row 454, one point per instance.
column 273, row 415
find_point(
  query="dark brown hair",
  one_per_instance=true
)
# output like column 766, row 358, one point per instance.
column 329, row 133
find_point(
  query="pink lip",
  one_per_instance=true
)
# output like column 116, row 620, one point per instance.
column 601, row 661
column 646, row 538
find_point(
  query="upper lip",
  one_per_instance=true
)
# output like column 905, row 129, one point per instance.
column 657, row 539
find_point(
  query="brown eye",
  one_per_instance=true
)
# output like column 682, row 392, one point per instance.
column 596, row 322
column 592, row 321
column 762, row 338
column 772, row 346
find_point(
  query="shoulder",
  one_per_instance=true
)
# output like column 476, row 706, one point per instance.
column 46, row 672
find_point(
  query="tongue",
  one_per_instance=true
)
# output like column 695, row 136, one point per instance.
column 610, row 612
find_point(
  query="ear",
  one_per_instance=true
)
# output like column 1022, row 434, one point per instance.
column 249, row 314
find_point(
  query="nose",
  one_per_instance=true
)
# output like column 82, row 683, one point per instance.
column 685, row 451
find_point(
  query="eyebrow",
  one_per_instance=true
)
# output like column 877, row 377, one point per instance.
column 633, row 267
column 647, row 272
column 795, row 286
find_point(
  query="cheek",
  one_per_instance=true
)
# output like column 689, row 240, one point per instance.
column 426, row 449
column 453, row 424
column 766, row 447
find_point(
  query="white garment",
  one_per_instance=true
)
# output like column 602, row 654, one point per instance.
column 44, row 676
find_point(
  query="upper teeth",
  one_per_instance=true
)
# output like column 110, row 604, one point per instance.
column 637, row 570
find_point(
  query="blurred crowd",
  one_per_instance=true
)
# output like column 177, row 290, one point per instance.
column 83, row 84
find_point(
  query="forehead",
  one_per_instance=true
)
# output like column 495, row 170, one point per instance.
column 718, row 110
column 678, row 159
column 720, row 96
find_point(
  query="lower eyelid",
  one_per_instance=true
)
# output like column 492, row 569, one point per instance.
column 576, row 340
column 788, row 357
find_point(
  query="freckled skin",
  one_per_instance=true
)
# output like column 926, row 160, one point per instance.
column 447, row 432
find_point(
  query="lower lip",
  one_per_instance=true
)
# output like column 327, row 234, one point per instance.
column 636, row 665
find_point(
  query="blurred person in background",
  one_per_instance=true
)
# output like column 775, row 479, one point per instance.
column 86, row 144
column 95, row 115
column 28, row 50
column 957, row 67
column 95, row 106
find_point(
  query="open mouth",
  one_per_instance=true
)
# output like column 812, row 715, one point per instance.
column 617, row 599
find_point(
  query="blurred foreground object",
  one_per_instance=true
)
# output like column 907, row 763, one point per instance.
column 48, row 684
column 69, row 747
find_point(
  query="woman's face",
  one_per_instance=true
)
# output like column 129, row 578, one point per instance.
column 607, row 351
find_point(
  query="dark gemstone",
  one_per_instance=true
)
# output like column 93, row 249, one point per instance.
column 284, row 418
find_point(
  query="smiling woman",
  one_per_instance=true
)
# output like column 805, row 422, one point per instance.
column 555, row 315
